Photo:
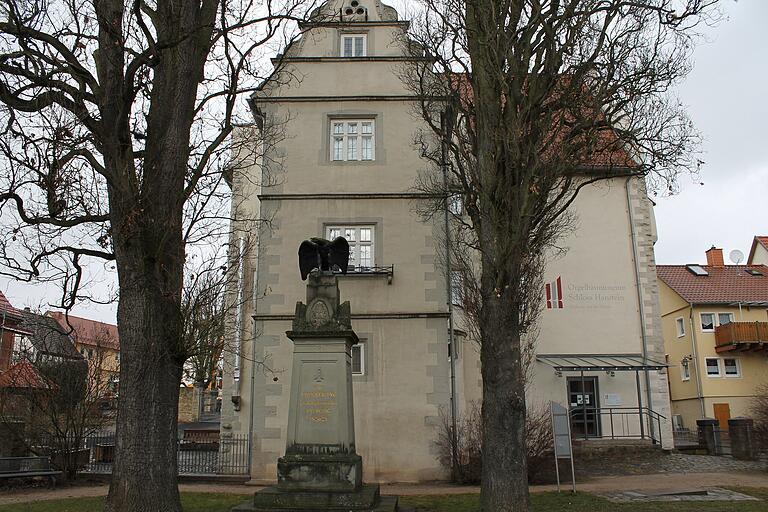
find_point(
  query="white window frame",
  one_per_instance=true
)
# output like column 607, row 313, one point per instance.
column 701, row 322
column 360, row 347
column 355, row 242
column 680, row 326
column 685, row 371
column 719, row 368
column 456, row 204
column 344, row 137
column 736, row 375
column 345, row 37
column 730, row 315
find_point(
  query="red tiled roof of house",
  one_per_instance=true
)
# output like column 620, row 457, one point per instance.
column 724, row 285
column 7, row 308
column 88, row 332
column 23, row 375
column 607, row 152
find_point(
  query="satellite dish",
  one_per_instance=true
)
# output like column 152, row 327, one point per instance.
column 736, row 256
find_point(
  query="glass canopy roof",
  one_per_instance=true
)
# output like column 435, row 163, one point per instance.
column 599, row 362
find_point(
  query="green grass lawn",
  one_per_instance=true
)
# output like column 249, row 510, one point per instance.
column 542, row 502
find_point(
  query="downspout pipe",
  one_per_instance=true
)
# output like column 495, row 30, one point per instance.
column 446, row 133
column 695, row 356
column 643, row 329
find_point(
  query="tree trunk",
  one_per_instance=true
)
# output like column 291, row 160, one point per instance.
column 149, row 251
column 504, row 486
column 144, row 476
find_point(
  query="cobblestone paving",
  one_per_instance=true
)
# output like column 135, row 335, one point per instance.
column 642, row 464
column 711, row 494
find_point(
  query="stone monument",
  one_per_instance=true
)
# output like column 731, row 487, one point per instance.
column 321, row 469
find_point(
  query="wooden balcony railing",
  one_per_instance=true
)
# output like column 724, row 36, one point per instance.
column 741, row 336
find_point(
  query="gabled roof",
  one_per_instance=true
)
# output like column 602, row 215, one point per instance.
column 759, row 240
column 47, row 336
column 728, row 284
column 23, row 375
column 88, row 332
column 7, row 308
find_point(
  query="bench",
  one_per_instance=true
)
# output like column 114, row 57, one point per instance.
column 27, row 467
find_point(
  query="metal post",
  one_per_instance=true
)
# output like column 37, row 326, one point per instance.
column 554, row 441
column 640, row 404
column 610, row 413
column 446, row 133
column 583, row 404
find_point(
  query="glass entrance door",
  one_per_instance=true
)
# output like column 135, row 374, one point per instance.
column 583, row 401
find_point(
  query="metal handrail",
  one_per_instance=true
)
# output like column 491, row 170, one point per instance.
column 623, row 414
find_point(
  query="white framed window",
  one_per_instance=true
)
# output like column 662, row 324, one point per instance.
column 680, row 326
column 724, row 318
column 456, row 204
column 354, row 45
column 360, row 239
column 358, row 359
column 707, row 322
column 731, row 367
column 685, row 370
column 353, row 140
column 24, row 350
column 713, row 367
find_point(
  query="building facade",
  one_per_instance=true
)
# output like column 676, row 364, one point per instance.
column 98, row 343
column 715, row 322
column 346, row 165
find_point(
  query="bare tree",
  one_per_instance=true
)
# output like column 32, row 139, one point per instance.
column 204, row 312
column 527, row 102
column 52, row 398
column 115, row 122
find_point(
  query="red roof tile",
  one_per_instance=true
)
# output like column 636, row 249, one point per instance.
column 723, row 285
column 88, row 332
column 23, row 375
column 7, row 308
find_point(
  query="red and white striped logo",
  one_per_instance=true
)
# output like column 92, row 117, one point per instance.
column 554, row 294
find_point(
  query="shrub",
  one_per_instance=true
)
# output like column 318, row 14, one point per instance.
column 538, row 435
column 758, row 410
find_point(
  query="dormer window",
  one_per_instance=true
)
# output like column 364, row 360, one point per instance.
column 353, row 45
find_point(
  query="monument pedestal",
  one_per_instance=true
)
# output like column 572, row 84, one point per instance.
column 321, row 469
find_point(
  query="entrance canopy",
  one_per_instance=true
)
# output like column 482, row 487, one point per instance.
column 599, row 362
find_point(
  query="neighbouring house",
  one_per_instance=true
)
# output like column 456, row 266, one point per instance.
column 347, row 167
column 98, row 342
column 758, row 253
column 10, row 317
column 715, row 324
column 45, row 368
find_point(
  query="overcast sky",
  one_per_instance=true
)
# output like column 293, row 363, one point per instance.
column 727, row 96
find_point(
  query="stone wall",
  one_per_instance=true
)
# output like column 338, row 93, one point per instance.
column 188, row 405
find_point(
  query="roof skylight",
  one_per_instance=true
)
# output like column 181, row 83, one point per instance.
column 697, row 270
column 753, row 272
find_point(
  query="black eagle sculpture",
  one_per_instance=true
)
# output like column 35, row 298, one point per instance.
column 319, row 253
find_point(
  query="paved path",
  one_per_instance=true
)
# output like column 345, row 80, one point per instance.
column 600, row 484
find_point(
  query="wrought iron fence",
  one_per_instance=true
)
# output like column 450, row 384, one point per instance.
column 197, row 454
column 722, row 441
column 685, row 438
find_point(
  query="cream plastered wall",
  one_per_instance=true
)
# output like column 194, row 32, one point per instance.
column 736, row 391
column 687, row 398
column 678, row 348
column 600, row 313
column 760, row 257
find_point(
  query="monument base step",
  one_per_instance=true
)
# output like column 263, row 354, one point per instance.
column 272, row 499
